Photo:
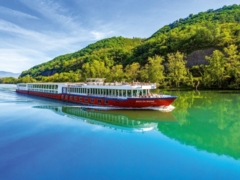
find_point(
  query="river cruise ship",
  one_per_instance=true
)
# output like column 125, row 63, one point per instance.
column 96, row 93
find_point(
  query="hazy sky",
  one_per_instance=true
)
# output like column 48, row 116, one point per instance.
column 36, row 31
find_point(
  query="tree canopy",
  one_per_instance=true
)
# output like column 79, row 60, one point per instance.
column 160, row 58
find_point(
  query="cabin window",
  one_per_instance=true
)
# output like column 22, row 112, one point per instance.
column 120, row 93
column 86, row 99
column 66, row 97
column 70, row 97
column 124, row 93
column 106, row 102
column 135, row 93
column 99, row 101
column 129, row 93
column 80, row 98
column 75, row 98
column 92, row 100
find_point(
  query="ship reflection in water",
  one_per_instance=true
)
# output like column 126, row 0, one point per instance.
column 123, row 120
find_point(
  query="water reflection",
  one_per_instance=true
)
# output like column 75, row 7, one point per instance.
column 123, row 120
column 208, row 120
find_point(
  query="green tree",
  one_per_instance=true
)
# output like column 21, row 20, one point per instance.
column 153, row 70
column 132, row 71
column 176, row 68
column 214, row 72
column 233, row 64
column 116, row 73
column 26, row 79
column 144, row 75
column 8, row 80
column 95, row 69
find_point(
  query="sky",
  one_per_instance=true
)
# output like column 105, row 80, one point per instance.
column 36, row 31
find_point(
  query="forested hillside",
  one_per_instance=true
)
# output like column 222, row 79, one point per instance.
column 217, row 29
column 160, row 58
column 107, row 51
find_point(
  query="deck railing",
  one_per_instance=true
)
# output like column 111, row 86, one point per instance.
column 116, row 84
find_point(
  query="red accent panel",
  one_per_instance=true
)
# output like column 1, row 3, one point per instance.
column 130, row 102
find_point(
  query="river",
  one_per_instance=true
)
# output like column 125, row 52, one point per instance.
column 48, row 139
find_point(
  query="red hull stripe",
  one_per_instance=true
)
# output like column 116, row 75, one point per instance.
column 106, row 101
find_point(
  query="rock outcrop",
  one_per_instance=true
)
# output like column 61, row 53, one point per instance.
column 198, row 57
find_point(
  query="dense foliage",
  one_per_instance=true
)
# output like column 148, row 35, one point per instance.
column 107, row 51
column 160, row 58
column 8, row 80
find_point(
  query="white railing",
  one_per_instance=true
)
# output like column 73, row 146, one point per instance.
column 116, row 84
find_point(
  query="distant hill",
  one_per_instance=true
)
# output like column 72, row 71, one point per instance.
column 195, row 36
column 8, row 74
column 111, row 51
column 213, row 29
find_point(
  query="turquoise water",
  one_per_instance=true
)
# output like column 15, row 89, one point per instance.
column 48, row 139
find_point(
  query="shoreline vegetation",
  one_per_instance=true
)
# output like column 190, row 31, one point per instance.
column 165, row 58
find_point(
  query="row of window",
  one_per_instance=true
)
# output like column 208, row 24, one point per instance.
column 109, row 92
column 81, row 99
column 43, row 86
column 44, row 90
column 22, row 85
